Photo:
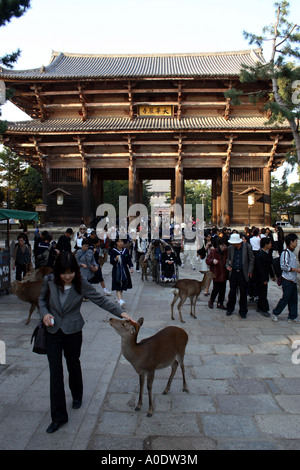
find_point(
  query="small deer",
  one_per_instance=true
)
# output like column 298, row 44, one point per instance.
column 191, row 288
column 165, row 348
column 144, row 265
column 28, row 290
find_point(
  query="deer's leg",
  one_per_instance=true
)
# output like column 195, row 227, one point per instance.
column 150, row 378
column 194, row 304
column 184, row 385
column 182, row 300
column 174, row 368
column 32, row 307
column 176, row 295
column 191, row 301
column 140, row 402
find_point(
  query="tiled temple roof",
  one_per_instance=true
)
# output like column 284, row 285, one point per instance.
column 72, row 66
column 140, row 124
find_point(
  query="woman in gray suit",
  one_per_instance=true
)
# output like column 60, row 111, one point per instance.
column 59, row 306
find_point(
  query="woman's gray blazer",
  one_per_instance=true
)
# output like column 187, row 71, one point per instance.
column 68, row 318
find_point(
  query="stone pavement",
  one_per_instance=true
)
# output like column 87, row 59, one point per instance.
column 244, row 387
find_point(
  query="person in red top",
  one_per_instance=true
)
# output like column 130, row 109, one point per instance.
column 216, row 260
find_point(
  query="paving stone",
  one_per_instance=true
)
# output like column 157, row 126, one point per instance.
column 229, row 426
column 279, row 426
column 248, row 386
column 190, row 443
column 243, row 385
column 247, row 404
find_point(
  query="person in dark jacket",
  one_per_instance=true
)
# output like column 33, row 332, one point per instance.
column 168, row 261
column 122, row 263
column 21, row 257
column 216, row 260
column 45, row 252
column 59, row 307
column 240, row 264
column 64, row 241
column 264, row 270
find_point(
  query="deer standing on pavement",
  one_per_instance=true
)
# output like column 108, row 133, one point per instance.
column 184, row 288
column 165, row 348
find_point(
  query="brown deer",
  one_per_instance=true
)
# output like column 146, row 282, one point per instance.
column 144, row 266
column 184, row 288
column 30, row 287
column 165, row 348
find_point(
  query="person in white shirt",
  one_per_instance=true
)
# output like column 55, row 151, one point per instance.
column 289, row 267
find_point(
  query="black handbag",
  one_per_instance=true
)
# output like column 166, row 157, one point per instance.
column 39, row 339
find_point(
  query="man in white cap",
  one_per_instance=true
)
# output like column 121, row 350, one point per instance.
column 240, row 264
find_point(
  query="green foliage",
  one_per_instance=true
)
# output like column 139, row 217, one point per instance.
column 30, row 190
column 11, row 9
column 12, row 168
column 16, row 175
column 197, row 192
column 113, row 189
column 281, row 70
column 284, row 198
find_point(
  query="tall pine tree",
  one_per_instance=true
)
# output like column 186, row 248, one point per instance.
column 10, row 9
column 282, row 71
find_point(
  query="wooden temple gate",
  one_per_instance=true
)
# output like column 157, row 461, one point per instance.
column 137, row 117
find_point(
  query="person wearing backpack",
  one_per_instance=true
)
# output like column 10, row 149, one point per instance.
column 288, row 265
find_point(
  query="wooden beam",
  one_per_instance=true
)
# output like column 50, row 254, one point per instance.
column 82, row 100
column 124, row 91
column 130, row 98
column 40, row 102
column 273, row 152
column 179, row 100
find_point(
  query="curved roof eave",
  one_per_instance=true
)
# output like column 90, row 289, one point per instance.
column 66, row 66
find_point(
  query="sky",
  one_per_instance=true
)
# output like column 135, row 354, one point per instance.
column 133, row 26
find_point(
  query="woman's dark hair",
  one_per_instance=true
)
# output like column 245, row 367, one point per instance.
column 265, row 241
column 221, row 241
column 66, row 261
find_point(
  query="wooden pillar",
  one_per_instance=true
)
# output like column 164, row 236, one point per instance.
column 132, row 183
column 225, row 184
column 179, row 186
column 172, row 191
column 225, row 196
column 86, row 193
column 139, row 188
column 45, row 190
column 267, row 197
column 214, row 200
column 97, row 189
column 219, row 195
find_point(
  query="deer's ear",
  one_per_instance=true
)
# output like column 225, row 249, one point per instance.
column 140, row 321
column 132, row 330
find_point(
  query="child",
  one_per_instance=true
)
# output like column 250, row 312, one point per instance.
column 121, row 261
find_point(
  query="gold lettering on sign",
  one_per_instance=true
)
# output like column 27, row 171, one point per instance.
column 158, row 110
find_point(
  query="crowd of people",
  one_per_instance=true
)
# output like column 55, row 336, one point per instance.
column 244, row 260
